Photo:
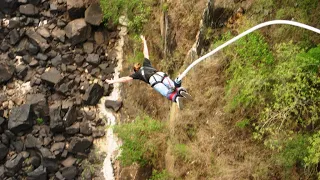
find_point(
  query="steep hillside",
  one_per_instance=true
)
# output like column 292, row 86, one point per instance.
column 225, row 133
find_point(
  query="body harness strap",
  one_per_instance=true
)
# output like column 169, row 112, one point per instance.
column 158, row 77
column 143, row 74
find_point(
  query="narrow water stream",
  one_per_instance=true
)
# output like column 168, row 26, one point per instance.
column 110, row 143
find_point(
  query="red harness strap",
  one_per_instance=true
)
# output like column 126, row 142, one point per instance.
column 172, row 95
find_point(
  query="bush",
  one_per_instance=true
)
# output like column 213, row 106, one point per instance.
column 137, row 12
column 142, row 140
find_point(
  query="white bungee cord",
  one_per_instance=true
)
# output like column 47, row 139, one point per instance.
column 293, row 23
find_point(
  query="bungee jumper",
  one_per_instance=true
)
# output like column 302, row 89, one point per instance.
column 158, row 80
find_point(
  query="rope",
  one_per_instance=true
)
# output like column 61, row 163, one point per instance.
column 293, row 23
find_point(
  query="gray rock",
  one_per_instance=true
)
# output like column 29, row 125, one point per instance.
column 34, row 63
column 41, row 57
column 28, row 9
column 43, row 32
column 56, row 122
column 38, row 174
column 56, row 61
column 4, row 46
column 93, row 59
column 67, row 59
column 73, row 129
column 13, row 165
column 14, row 36
column 80, row 145
column 115, row 105
column 32, row 142
column 78, row 31
column 69, row 161
column 37, row 40
column 75, row 8
column 39, row 105
column 18, row 146
column 94, row 15
column 60, row 34
column 57, row 148
column 69, row 173
column 21, row 71
column 50, row 164
column 85, row 128
column 79, row 59
column 20, row 119
column 13, row 22
column 52, row 76
column 46, row 153
column 71, row 116
column 2, row 172
column 93, row 94
column 32, row 49
column 3, row 151
column 8, row 6
column 6, row 70
column 88, row 47
column 59, row 138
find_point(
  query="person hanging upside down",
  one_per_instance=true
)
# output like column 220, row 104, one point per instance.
column 159, row 81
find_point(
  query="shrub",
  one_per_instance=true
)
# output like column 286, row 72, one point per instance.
column 141, row 140
column 181, row 151
column 39, row 121
column 137, row 12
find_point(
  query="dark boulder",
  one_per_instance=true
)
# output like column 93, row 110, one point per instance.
column 78, row 31
column 8, row 6
column 93, row 59
column 85, row 128
column 97, row 133
column 52, row 76
column 6, row 70
column 43, row 32
column 37, row 40
column 21, row 71
column 32, row 142
column 18, row 145
column 71, row 116
column 93, row 94
column 34, row 2
column 80, row 145
column 3, row 151
column 13, row 165
column 57, row 148
column 75, row 8
column 56, row 122
column 115, row 105
column 56, row 61
column 50, row 164
column 2, row 172
column 14, row 36
column 94, row 15
column 22, row 48
column 38, row 174
column 69, row 173
column 39, row 105
column 73, row 129
column 20, row 118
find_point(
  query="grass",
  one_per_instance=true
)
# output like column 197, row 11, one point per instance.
column 141, row 143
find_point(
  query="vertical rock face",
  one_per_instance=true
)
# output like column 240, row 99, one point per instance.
column 20, row 119
column 6, row 71
column 78, row 31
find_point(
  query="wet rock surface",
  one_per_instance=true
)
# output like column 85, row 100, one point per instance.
column 54, row 56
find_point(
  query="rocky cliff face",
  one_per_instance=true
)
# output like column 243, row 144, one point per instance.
column 54, row 58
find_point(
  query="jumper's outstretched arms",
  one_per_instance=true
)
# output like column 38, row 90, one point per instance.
column 120, row 80
column 145, row 47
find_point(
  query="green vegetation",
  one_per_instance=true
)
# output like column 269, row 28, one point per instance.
column 160, row 175
column 136, row 11
column 39, row 121
column 278, row 90
column 142, row 141
column 181, row 151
